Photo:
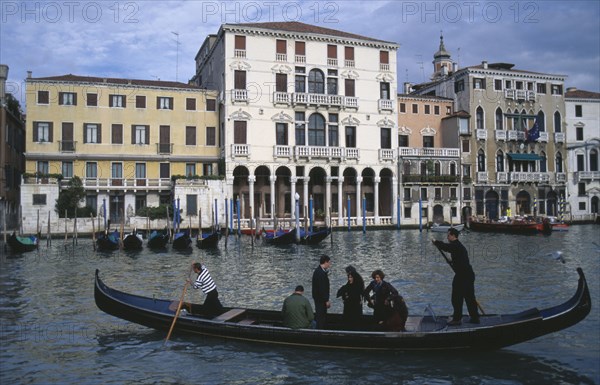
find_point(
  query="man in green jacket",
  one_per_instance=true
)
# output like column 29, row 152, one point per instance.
column 297, row 311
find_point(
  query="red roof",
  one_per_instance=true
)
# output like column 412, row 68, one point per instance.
column 581, row 94
column 135, row 82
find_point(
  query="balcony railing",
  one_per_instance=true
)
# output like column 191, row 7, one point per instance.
column 516, row 177
column 123, row 184
column 67, row 146
column 386, row 105
column 332, row 62
column 419, row 178
column 240, row 150
column 349, row 63
column 501, row 135
column 482, row 176
column 387, row 154
column 239, row 53
column 543, row 137
column 315, row 99
column 322, row 152
column 281, row 57
column 300, row 58
column 481, row 134
column 384, row 67
column 559, row 137
column 239, row 95
column 501, row 177
column 283, row 151
column 430, row 152
column 519, row 95
column 587, row 175
column 561, row 177
column 516, row 135
column 164, row 148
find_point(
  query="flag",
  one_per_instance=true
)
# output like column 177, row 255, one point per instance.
column 533, row 134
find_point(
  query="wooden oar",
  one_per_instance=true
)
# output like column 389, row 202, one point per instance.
column 177, row 312
column 451, row 266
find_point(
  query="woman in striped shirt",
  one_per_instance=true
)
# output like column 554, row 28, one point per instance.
column 212, row 305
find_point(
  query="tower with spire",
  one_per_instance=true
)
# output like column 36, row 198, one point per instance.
column 442, row 61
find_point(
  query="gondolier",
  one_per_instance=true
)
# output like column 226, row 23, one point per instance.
column 205, row 282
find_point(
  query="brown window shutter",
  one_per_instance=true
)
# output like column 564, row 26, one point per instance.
column 84, row 133
column 240, row 80
column 147, row 134
column 331, row 51
column 190, row 104
column 349, row 87
column 74, row 99
column 282, row 46
column 124, row 101
column 50, row 124
column 133, row 134
column 60, row 98
column 300, row 48
column 281, row 82
column 211, row 105
column 240, row 42
column 110, row 100
column 43, row 97
column 99, row 137
column 157, row 102
column 92, row 100
column 384, row 57
column 117, row 133
column 140, row 101
column 239, row 134
column 190, row 135
column 349, row 53
column 35, row 131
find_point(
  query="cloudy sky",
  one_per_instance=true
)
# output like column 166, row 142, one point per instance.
column 139, row 39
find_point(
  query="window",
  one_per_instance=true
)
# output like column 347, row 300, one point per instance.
column 281, row 82
column 281, row 49
column 211, row 105
column 480, row 161
column 349, row 56
column 300, row 81
column 140, row 134
column 116, row 173
column 91, row 100
column 519, row 85
column 39, row 199
column 580, row 162
column 351, row 136
column 428, row 141
column 557, row 123
column 349, row 87
column 190, row 104
column 459, row 85
column 92, row 133
column 466, row 145
column 140, row 170
column 499, row 119
column 239, row 80
column 427, row 109
column 140, row 101
column 543, row 162
column 578, row 111
column 415, row 108
column 164, row 103
column 43, row 97
column 211, row 136
column 407, row 211
column 300, row 128
column 190, row 136
column 478, row 83
column 316, row 82
column 453, row 169
column 192, row 204
column 239, row 132
column 384, row 57
column 557, row 89
column 300, row 48
column 448, row 110
column 497, row 84
column 423, row 193
column 508, row 84
column 67, row 98
column 559, row 162
column 240, row 42
column 403, row 107
column 384, row 90
column 91, row 170
column 43, row 167
column 407, row 193
column 402, row 140
column 467, row 193
column 453, row 194
column 479, row 118
column 436, row 110
column 281, row 135
column 42, row 132
column 117, row 134
column 91, row 201
column 140, row 202
column 333, row 130
column 437, row 193
column 165, row 170
column 386, row 137
column 316, row 130
column 116, row 101
column 67, row 169
column 593, row 160
column 541, row 88
column 332, row 82
column 331, row 54
column 581, row 189
column 190, row 169
column 500, row 161
column 207, row 169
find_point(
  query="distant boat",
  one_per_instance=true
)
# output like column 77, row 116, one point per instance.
column 208, row 240
column 108, row 241
column 133, row 241
column 22, row 244
column 512, row 227
column 558, row 225
column 182, row 240
column 444, row 227
column 314, row 237
column 158, row 239
column 280, row 237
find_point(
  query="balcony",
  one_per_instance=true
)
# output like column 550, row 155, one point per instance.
column 283, row 151
column 543, row 137
column 386, row 105
column 534, row 177
column 519, row 95
column 300, row 58
column 481, row 134
column 429, row 152
column 559, row 137
column 516, row 135
column 324, row 100
column 561, row 177
column 164, row 148
column 329, row 153
column 281, row 57
column 501, row 177
column 124, row 184
column 239, row 95
column 66, row 146
column 501, row 135
column 587, row 175
column 434, row 179
column 349, row 63
column 384, row 67
column 387, row 155
column 239, row 53
column 238, row 150
column 482, row 177
column 332, row 62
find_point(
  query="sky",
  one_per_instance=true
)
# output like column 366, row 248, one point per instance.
column 159, row 39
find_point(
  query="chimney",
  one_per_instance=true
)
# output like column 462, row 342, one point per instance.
column 484, row 64
column 407, row 87
column 454, row 67
column 3, row 77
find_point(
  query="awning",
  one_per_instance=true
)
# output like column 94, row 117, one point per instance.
column 524, row 157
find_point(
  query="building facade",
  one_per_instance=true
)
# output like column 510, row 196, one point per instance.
column 306, row 113
column 583, row 144
column 126, row 139
column 514, row 146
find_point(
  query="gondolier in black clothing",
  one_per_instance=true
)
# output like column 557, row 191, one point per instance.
column 204, row 281
column 320, row 291
column 463, row 284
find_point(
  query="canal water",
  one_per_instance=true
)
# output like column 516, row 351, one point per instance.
column 52, row 332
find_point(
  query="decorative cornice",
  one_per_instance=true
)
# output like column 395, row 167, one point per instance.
column 428, row 131
column 350, row 121
column 282, row 118
column 240, row 115
column 350, row 74
column 240, row 65
column 281, row 69
column 404, row 130
column 386, row 122
column 385, row 77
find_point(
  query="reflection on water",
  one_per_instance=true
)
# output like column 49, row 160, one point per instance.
column 52, row 332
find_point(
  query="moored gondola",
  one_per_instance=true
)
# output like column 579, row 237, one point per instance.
column 422, row 332
column 280, row 237
column 182, row 240
column 158, row 239
column 107, row 241
column 314, row 237
column 133, row 241
column 21, row 244
column 207, row 241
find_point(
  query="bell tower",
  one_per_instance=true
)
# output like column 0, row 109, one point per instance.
column 442, row 62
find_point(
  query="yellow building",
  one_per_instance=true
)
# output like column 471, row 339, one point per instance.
column 125, row 139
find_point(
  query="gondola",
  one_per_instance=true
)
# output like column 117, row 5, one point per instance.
column 20, row 244
column 182, row 240
column 280, row 237
column 314, row 237
column 108, row 241
column 133, row 241
column 423, row 333
column 207, row 241
column 158, row 240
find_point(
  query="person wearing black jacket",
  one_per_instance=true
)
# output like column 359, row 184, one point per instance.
column 352, row 295
column 389, row 309
column 463, row 284
column 320, row 291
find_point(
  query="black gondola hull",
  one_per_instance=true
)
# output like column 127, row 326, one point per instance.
column 208, row 241
column 18, row 246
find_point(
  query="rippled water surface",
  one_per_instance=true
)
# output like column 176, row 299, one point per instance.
column 52, row 332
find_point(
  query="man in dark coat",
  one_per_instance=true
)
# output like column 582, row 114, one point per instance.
column 463, row 284
column 320, row 291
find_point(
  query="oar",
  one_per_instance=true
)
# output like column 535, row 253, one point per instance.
column 450, row 263
column 178, row 310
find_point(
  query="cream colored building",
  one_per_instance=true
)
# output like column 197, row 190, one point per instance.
column 126, row 139
column 507, row 167
column 306, row 110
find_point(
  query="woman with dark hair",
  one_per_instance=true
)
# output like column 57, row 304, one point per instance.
column 389, row 309
column 352, row 295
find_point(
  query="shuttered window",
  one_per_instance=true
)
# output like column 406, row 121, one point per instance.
column 240, row 42
column 117, row 134
column 331, row 51
column 281, row 46
column 190, row 136
column 349, row 53
column 190, row 104
column 43, row 97
column 239, row 132
column 384, row 57
column 300, row 48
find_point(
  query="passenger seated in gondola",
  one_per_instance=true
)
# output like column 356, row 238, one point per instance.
column 389, row 310
column 352, row 295
column 297, row 311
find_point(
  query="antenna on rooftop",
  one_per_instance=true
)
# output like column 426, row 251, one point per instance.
column 420, row 62
column 458, row 57
column 177, row 62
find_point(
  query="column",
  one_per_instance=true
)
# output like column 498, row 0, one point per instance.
column 395, row 200
column 305, row 193
column 327, row 199
column 376, row 193
column 293, row 181
column 272, row 179
column 340, row 202
column 358, row 201
column 251, row 181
